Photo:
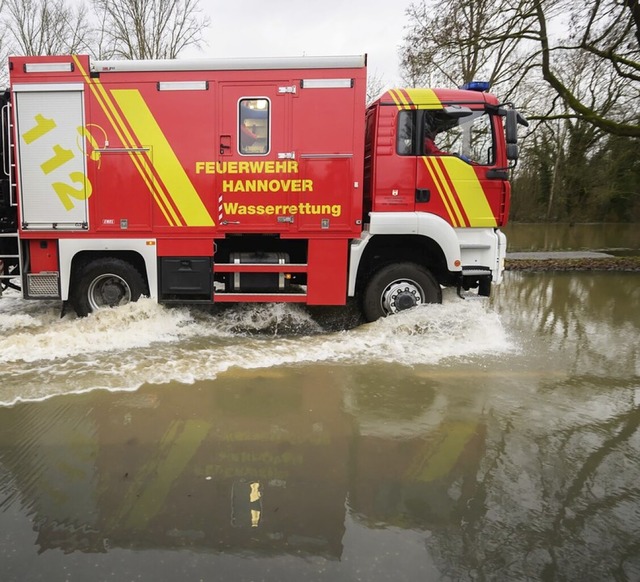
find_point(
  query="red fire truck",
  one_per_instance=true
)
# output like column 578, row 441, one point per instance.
column 239, row 180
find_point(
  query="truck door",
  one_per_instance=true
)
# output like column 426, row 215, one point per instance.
column 51, row 157
column 255, row 169
column 396, row 149
column 327, row 140
column 457, row 177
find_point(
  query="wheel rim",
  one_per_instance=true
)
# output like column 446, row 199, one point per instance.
column 401, row 295
column 108, row 290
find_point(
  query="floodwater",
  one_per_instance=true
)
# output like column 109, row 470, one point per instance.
column 477, row 440
column 622, row 239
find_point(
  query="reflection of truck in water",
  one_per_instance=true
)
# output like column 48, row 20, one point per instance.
column 247, row 180
column 249, row 464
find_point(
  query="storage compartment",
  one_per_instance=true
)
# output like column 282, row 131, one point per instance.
column 186, row 276
column 43, row 255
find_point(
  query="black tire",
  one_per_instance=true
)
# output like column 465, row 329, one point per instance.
column 106, row 282
column 397, row 287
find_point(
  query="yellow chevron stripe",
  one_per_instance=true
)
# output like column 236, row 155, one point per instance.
column 407, row 103
column 448, row 193
column 470, row 192
column 436, row 182
column 442, row 451
column 424, row 98
column 397, row 99
column 166, row 163
column 420, row 98
column 149, row 488
column 141, row 164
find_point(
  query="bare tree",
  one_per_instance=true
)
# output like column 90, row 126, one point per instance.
column 375, row 86
column 608, row 32
column 44, row 27
column 3, row 49
column 519, row 41
column 149, row 29
column 447, row 45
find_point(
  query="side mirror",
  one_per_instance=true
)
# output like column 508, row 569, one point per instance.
column 511, row 127
column 512, row 152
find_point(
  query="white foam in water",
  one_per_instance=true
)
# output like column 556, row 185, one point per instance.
column 143, row 342
column 30, row 338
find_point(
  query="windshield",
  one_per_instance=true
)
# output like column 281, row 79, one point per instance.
column 469, row 137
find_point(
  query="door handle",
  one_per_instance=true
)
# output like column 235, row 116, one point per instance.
column 225, row 144
column 497, row 174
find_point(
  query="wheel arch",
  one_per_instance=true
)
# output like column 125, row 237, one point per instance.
column 74, row 255
column 83, row 258
column 418, row 237
column 382, row 250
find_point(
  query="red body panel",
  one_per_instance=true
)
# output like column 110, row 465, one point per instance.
column 132, row 128
column 185, row 247
column 327, row 258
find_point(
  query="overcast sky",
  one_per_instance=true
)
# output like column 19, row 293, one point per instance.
column 250, row 28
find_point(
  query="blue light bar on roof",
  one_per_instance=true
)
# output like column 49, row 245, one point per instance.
column 477, row 86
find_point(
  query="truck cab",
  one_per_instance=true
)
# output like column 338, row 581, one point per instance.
column 438, row 151
column 436, row 170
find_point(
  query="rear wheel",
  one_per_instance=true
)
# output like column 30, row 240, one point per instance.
column 398, row 287
column 106, row 282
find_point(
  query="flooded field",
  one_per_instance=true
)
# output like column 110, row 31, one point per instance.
column 616, row 238
column 478, row 440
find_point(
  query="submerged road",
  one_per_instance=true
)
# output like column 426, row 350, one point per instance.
column 572, row 261
column 554, row 255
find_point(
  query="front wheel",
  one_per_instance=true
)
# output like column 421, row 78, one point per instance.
column 106, row 283
column 398, row 287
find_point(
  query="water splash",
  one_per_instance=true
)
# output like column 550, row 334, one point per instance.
column 120, row 349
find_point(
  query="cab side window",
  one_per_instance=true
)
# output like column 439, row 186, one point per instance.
column 253, row 127
column 406, row 133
